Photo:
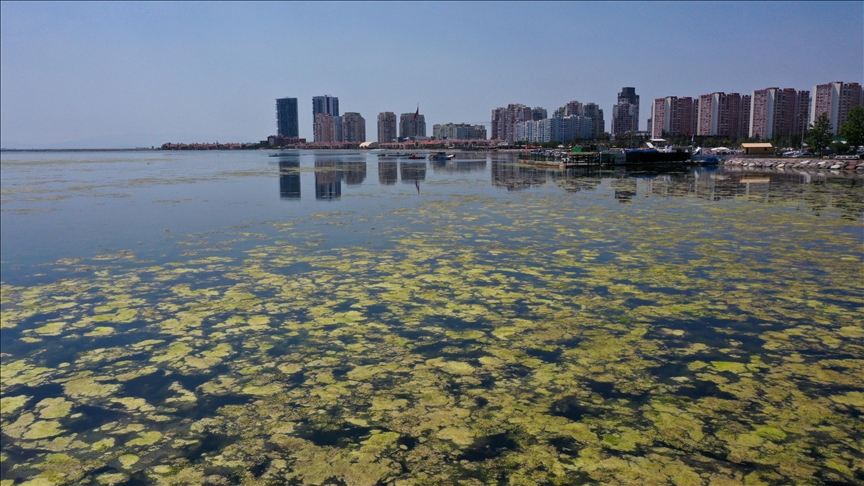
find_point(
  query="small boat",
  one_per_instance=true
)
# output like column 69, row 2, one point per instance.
column 440, row 156
column 414, row 156
column 283, row 154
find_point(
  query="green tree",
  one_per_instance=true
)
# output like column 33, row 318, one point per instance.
column 853, row 129
column 819, row 134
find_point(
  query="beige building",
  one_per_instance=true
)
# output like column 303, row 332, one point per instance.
column 758, row 148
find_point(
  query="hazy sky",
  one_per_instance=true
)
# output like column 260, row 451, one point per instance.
column 140, row 74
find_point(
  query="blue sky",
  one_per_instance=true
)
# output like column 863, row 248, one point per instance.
column 140, row 74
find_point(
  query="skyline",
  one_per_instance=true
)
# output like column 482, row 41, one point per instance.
column 144, row 74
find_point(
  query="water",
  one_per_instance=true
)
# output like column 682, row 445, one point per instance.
column 339, row 318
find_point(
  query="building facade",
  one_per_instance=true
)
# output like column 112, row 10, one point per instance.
column 595, row 113
column 625, row 113
column 324, row 128
column 723, row 115
column 387, row 127
column 412, row 125
column 458, row 131
column 325, row 104
column 776, row 112
column 504, row 121
column 353, row 128
column 673, row 116
column 538, row 113
column 836, row 99
column 286, row 118
column 337, row 123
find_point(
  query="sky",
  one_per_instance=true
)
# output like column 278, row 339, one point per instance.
column 125, row 74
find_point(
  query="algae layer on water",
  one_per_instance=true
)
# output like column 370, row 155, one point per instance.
column 677, row 343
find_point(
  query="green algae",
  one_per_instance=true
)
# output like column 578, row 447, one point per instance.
column 609, row 354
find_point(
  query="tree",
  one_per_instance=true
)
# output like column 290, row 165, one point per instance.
column 853, row 129
column 819, row 134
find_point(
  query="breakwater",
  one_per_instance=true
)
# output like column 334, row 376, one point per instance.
column 835, row 164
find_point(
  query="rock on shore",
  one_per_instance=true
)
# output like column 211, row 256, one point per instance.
column 796, row 164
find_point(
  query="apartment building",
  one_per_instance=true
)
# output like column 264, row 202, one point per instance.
column 836, row 99
column 387, row 127
column 353, row 128
column 778, row 112
column 674, row 116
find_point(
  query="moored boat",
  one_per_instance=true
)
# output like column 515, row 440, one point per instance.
column 440, row 156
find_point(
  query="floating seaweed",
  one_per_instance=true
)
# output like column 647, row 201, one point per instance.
column 523, row 339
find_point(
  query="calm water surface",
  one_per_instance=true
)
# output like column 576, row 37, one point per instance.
column 339, row 318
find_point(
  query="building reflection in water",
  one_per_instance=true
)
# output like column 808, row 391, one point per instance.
column 458, row 165
column 625, row 189
column 289, row 179
column 328, row 180
column 516, row 177
column 388, row 173
column 412, row 172
column 354, row 172
column 575, row 179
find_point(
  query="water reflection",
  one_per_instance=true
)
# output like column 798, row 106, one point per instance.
column 516, row 177
column 412, row 172
column 289, row 179
column 354, row 172
column 812, row 188
column 458, row 165
column 625, row 189
column 328, row 180
column 388, row 173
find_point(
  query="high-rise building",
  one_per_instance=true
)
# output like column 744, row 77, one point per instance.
column 353, row 128
column 625, row 114
column 412, row 125
column 458, row 131
column 744, row 116
column 836, row 99
column 673, row 116
column 387, row 127
column 286, row 117
column 720, row 114
column 337, row 124
column 593, row 111
column 504, row 121
column 325, row 104
column 777, row 112
column 324, row 128
column 538, row 113
column 571, row 108
column 572, row 127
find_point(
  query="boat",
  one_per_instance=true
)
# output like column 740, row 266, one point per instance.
column 397, row 154
column 414, row 156
column 654, row 156
column 283, row 154
column 440, row 156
